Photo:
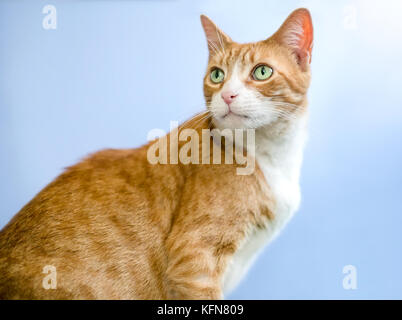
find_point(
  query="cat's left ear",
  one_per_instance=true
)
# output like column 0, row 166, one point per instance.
column 217, row 39
column 297, row 34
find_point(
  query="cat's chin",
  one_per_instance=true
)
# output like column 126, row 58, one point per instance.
column 230, row 122
column 233, row 121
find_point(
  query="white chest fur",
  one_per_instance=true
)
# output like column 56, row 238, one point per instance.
column 279, row 153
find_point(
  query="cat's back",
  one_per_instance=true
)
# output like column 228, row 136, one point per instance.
column 93, row 224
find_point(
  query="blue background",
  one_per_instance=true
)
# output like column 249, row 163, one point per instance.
column 113, row 70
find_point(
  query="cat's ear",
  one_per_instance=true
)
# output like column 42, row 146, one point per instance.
column 297, row 34
column 216, row 38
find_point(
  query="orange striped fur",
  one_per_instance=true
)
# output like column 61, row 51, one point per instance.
column 118, row 227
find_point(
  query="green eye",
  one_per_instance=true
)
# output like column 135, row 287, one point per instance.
column 217, row 75
column 262, row 73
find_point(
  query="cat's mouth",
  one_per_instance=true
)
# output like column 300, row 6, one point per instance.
column 230, row 113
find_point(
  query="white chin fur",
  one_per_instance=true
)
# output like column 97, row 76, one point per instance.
column 233, row 121
column 261, row 114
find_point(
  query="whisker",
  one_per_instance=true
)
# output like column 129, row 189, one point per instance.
column 214, row 48
column 220, row 41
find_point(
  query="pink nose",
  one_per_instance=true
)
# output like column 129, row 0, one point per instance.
column 228, row 96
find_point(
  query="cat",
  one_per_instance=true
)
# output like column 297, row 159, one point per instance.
column 116, row 226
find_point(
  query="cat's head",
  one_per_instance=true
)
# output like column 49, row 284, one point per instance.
column 255, row 84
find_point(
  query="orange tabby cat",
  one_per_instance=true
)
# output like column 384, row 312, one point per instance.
column 119, row 226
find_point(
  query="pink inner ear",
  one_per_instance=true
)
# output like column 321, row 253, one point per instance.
column 306, row 41
column 297, row 34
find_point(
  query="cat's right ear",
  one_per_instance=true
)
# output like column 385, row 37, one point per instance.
column 297, row 34
column 216, row 38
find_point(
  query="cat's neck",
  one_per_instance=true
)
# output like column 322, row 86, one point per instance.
column 281, row 144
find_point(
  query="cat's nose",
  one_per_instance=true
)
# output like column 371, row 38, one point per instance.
column 228, row 97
